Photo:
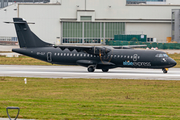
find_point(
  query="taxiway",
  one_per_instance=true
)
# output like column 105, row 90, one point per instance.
column 81, row 72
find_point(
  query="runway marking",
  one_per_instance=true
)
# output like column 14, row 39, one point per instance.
column 81, row 72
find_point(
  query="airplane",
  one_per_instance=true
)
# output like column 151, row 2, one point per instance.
column 92, row 57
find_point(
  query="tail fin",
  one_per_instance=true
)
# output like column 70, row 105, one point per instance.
column 26, row 38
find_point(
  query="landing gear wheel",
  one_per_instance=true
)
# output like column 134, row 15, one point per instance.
column 165, row 70
column 105, row 70
column 91, row 69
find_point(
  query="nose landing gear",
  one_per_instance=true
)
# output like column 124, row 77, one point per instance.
column 165, row 70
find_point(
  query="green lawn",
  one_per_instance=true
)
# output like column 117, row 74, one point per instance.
column 21, row 60
column 90, row 99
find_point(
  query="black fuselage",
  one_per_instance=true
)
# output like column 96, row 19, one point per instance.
column 118, row 57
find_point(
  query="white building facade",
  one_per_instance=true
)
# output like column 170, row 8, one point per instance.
column 94, row 21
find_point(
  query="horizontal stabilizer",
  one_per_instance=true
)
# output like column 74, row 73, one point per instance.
column 19, row 22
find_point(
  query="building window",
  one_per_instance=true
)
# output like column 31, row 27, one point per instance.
column 91, row 32
column 86, row 18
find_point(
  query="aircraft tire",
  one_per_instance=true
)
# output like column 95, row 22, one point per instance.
column 105, row 70
column 164, row 70
column 91, row 69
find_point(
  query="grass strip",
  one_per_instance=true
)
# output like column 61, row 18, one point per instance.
column 90, row 99
column 21, row 60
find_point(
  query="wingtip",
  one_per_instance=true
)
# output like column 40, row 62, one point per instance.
column 7, row 22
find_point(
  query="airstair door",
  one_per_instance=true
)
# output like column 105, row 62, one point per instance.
column 49, row 57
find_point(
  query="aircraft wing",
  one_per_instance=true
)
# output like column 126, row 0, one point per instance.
column 75, row 47
column 128, row 46
column 95, row 50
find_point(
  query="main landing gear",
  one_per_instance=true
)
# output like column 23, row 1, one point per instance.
column 91, row 68
column 105, row 70
column 165, row 70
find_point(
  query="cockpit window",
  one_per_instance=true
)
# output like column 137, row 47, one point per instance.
column 161, row 55
column 165, row 55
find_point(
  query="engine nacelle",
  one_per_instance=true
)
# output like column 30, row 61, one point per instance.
column 98, row 50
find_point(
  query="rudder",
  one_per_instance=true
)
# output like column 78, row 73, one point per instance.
column 26, row 38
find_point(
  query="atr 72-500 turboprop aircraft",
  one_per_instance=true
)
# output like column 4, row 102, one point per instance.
column 92, row 57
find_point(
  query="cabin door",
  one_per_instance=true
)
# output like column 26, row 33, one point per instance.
column 49, row 57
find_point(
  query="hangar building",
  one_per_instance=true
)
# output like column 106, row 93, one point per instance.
column 94, row 21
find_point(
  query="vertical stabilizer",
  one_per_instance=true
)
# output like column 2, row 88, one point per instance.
column 26, row 38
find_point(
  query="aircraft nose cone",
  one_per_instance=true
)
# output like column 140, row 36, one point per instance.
column 172, row 62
